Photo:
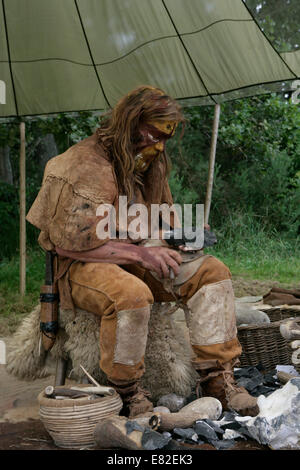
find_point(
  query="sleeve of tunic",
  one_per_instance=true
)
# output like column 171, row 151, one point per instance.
column 65, row 209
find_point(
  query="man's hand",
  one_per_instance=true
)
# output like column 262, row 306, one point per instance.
column 160, row 260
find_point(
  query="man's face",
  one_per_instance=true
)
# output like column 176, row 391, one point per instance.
column 154, row 136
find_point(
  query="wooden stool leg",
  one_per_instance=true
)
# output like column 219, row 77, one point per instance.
column 61, row 371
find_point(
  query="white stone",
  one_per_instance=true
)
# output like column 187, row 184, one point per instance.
column 204, row 408
column 288, row 369
column 278, row 422
column 232, row 434
column 246, row 314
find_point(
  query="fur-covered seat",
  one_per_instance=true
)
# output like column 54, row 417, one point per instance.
column 167, row 358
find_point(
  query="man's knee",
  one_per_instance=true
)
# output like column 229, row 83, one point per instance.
column 211, row 271
column 214, row 270
column 134, row 294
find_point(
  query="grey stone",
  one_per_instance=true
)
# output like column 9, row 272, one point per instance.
column 232, row 425
column 173, row 445
column 249, row 372
column 277, row 424
column 172, row 401
column 187, row 433
column 263, row 390
column 161, row 409
column 215, row 425
column 205, row 430
column 270, row 379
column 152, row 440
column 232, row 434
column 221, row 445
column 250, row 384
column 133, row 426
column 247, row 315
column 227, row 418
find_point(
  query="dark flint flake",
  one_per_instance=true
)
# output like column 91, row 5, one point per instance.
column 270, row 380
column 215, row 426
column 205, row 430
column 187, row 433
column 249, row 384
column 152, row 440
column 222, row 445
column 233, row 425
column 263, row 390
column 243, row 430
column 172, row 445
column 133, row 426
column 249, row 372
column 229, row 415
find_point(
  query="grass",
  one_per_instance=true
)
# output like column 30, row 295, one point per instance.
column 261, row 257
column 13, row 307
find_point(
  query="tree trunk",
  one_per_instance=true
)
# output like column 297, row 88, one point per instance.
column 46, row 149
column 6, row 174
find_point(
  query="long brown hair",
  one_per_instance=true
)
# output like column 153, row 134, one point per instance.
column 119, row 134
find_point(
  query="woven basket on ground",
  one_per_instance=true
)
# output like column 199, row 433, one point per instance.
column 263, row 344
column 71, row 422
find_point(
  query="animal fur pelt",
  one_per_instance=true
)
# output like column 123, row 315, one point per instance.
column 167, row 358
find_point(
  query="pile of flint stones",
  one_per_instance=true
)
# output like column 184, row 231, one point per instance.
column 222, row 434
column 255, row 382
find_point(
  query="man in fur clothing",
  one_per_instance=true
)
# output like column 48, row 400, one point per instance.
column 119, row 279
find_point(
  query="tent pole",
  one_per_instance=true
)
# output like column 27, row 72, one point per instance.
column 212, row 158
column 22, row 210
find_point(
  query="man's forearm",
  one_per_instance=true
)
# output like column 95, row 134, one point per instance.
column 110, row 252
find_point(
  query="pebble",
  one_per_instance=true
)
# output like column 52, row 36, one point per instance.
column 172, row 401
column 161, row 409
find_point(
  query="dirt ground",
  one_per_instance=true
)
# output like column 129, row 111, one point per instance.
column 20, row 425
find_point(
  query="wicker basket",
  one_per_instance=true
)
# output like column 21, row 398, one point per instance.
column 263, row 344
column 70, row 424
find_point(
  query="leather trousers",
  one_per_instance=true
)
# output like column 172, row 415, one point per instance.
column 122, row 297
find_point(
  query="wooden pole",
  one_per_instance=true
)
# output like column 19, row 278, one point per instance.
column 212, row 159
column 22, row 210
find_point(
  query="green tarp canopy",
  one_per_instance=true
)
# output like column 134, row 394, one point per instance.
column 72, row 55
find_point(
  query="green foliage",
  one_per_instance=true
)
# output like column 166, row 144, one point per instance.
column 257, row 163
column 257, row 172
column 279, row 20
